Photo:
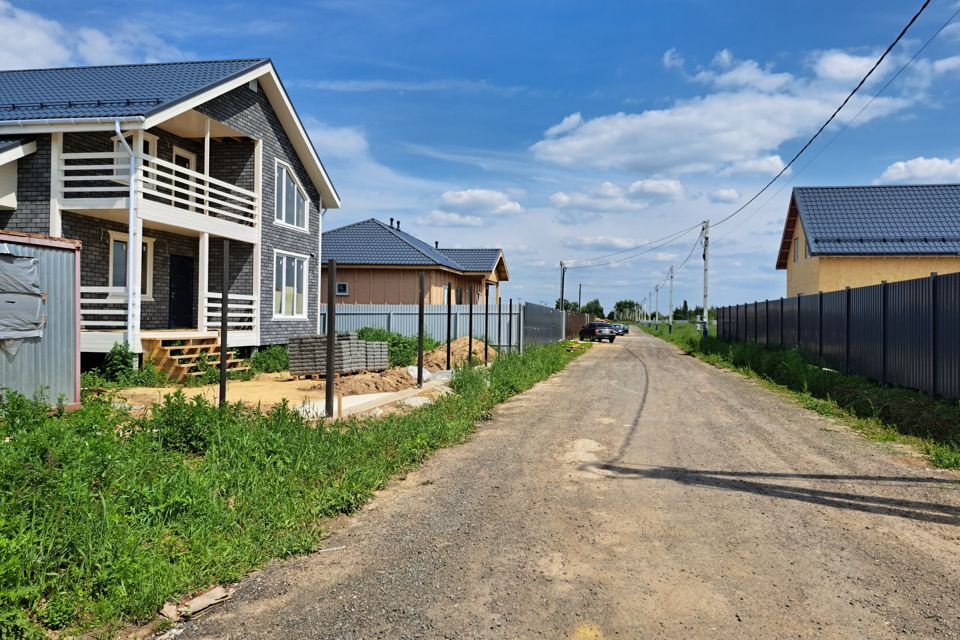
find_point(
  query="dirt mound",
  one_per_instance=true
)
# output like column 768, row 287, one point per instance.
column 436, row 359
column 395, row 379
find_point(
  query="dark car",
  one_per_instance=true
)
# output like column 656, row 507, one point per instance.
column 620, row 329
column 597, row 331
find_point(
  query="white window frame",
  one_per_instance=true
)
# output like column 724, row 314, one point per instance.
column 306, row 287
column 119, row 293
column 277, row 163
column 346, row 288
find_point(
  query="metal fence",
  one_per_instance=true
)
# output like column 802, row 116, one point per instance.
column 402, row 319
column 905, row 333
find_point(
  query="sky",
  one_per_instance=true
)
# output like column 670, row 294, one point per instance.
column 560, row 130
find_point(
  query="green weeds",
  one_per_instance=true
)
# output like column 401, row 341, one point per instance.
column 270, row 360
column 401, row 350
column 103, row 517
column 882, row 413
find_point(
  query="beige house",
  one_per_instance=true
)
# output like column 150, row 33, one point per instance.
column 377, row 263
column 838, row 237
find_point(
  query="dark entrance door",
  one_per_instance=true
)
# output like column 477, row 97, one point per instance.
column 181, row 293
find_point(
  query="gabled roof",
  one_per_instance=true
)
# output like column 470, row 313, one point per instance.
column 875, row 220
column 371, row 242
column 142, row 96
column 110, row 91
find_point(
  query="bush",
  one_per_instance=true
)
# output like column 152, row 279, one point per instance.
column 103, row 518
column 118, row 371
column 270, row 360
column 401, row 350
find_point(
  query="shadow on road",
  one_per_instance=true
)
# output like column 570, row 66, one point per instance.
column 746, row 481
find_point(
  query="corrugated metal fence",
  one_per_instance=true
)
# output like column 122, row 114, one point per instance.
column 905, row 333
column 402, row 319
column 529, row 324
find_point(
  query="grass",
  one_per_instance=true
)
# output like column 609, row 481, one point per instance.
column 104, row 517
column 884, row 413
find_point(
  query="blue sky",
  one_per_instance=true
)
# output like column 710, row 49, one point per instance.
column 564, row 130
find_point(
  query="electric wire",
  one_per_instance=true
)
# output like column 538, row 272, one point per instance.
column 570, row 263
column 647, row 249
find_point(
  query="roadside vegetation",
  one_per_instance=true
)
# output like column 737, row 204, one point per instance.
column 401, row 350
column 104, row 517
column 886, row 413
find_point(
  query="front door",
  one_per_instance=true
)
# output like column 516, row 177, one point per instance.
column 181, row 292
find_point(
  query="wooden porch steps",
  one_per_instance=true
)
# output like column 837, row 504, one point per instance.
column 180, row 358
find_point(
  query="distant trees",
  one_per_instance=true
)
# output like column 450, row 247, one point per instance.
column 594, row 308
column 568, row 305
column 625, row 309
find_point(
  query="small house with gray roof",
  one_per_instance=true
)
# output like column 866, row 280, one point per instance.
column 154, row 167
column 837, row 237
column 377, row 263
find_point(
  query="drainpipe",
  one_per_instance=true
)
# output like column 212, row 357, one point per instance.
column 133, row 258
column 323, row 214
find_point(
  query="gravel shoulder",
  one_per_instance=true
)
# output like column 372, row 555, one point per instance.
column 638, row 493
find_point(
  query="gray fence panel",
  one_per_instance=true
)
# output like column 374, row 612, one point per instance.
column 908, row 334
column 402, row 319
column 865, row 332
column 541, row 325
column 773, row 333
column 789, row 320
column 834, row 326
column 948, row 335
column 810, row 325
column 762, row 319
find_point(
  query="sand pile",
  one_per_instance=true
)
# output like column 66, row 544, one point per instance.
column 436, row 359
column 395, row 379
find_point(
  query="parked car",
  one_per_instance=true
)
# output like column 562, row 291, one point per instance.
column 620, row 329
column 597, row 331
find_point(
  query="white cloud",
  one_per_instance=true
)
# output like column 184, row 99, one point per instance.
column 672, row 59
column 841, row 66
column 481, row 201
column 667, row 188
column 596, row 202
column 444, row 85
column 738, row 126
column 440, row 218
column 923, row 170
column 600, row 243
column 952, row 31
column 29, row 40
column 724, row 195
column 566, row 125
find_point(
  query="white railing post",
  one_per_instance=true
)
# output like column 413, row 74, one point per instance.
column 204, row 260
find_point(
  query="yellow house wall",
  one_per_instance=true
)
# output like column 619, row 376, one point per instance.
column 852, row 271
column 803, row 273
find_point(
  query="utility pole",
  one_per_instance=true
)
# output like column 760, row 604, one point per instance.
column 706, row 269
column 670, row 317
column 657, row 289
column 579, row 295
column 563, row 318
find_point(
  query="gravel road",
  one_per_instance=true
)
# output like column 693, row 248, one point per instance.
column 639, row 494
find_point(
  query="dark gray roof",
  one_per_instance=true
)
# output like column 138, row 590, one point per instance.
column 373, row 242
column 111, row 91
column 10, row 143
column 479, row 260
column 881, row 220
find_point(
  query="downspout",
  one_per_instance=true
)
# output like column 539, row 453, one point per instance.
column 133, row 302
column 323, row 212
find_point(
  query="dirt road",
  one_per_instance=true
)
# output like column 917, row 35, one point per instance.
column 639, row 494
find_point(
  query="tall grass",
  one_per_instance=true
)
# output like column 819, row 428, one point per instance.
column 882, row 412
column 103, row 517
column 401, row 350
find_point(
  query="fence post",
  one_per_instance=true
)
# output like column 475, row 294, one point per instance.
column 510, row 327
column 766, row 322
column 486, row 322
column 799, row 341
column 520, row 319
column 736, row 323
column 846, row 332
column 470, row 328
column 883, row 332
column 781, row 321
column 331, row 338
column 933, row 333
column 449, row 319
column 820, row 326
column 756, row 332
column 224, row 319
column 499, row 326
column 389, row 320
column 421, row 294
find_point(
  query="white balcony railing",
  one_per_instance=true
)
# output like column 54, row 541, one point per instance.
column 241, row 312
column 103, row 308
column 105, row 176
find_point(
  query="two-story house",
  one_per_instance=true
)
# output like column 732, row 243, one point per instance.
column 153, row 167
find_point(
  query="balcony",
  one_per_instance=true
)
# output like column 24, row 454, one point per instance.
column 168, row 195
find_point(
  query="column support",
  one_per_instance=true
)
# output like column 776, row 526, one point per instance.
column 56, row 218
column 204, row 264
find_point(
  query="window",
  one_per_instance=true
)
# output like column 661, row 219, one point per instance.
column 459, row 296
column 796, row 248
column 291, row 201
column 149, row 148
column 806, row 245
column 289, row 286
column 343, row 289
column 118, row 265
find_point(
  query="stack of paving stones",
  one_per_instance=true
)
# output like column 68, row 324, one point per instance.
column 308, row 355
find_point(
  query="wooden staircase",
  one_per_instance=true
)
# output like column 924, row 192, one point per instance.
column 181, row 358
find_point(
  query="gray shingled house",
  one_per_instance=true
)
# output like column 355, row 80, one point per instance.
column 836, row 237
column 377, row 263
column 165, row 162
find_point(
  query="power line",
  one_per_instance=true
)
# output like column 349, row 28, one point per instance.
column 809, row 142
column 569, row 263
column 847, row 124
column 669, row 240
